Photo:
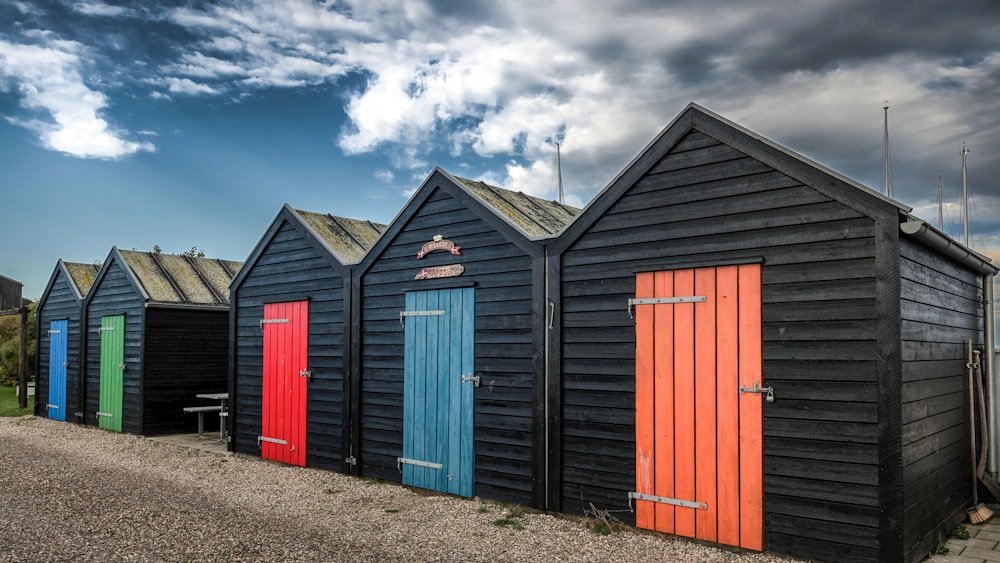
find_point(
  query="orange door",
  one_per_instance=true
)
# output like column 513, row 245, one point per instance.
column 699, row 447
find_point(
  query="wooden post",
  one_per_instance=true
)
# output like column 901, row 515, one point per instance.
column 22, row 364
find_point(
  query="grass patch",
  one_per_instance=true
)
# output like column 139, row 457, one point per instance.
column 391, row 510
column 483, row 509
column 333, row 490
column 8, row 403
column 513, row 514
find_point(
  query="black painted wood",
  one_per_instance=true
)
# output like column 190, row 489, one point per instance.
column 288, row 264
column 507, row 270
column 60, row 301
column 862, row 337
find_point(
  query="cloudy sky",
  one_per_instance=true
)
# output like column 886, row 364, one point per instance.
column 190, row 123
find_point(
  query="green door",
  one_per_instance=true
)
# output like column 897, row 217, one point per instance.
column 109, row 413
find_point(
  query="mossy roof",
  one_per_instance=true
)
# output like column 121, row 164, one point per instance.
column 82, row 275
column 350, row 239
column 182, row 280
column 537, row 217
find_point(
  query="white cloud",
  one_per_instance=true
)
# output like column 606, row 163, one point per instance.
column 100, row 9
column 384, row 175
column 49, row 82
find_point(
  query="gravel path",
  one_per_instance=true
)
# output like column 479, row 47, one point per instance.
column 82, row 494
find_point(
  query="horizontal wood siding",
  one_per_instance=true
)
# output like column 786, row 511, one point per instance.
column 291, row 269
column 706, row 202
column 504, row 346
column 113, row 294
column 941, row 309
column 60, row 303
column 186, row 353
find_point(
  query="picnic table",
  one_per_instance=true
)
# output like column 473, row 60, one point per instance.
column 221, row 408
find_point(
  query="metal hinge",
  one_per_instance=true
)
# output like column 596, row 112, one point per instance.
column 105, row 414
column 401, row 460
column 54, row 332
column 666, row 500
column 271, row 441
column 52, row 407
column 105, row 328
column 767, row 391
column 404, row 314
column 306, row 374
column 664, row 301
column 271, row 322
column 351, row 460
column 473, row 378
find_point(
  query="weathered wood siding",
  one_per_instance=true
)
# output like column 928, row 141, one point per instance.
column 113, row 294
column 186, row 353
column 505, row 348
column 10, row 294
column 706, row 203
column 60, row 303
column 941, row 309
column 291, row 269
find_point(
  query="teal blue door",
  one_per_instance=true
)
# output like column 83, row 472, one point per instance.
column 438, row 390
column 56, row 405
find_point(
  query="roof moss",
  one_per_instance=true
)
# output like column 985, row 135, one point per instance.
column 350, row 239
column 539, row 218
column 180, row 279
column 82, row 275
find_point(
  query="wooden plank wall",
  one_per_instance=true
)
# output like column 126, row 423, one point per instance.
column 707, row 202
column 186, row 353
column 60, row 303
column 290, row 269
column 504, row 346
column 940, row 309
column 115, row 295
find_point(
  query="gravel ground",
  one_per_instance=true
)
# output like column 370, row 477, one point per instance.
column 82, row 494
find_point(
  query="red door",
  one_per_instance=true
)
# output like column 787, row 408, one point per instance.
column 286, row 356
column 699, row 447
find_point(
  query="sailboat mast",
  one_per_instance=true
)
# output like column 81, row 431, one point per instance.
column 562, row 198
column 885, row 148
column 940, row 203
column 965, row 196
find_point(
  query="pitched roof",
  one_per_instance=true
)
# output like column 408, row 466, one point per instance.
column 349, row 239
column 537, row 217
column 82, row 275
column 177, row 279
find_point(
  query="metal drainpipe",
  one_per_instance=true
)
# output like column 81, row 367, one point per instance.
column 990, row 361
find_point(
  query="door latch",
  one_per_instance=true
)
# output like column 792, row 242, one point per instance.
column 767, row 391
column 473, row 378
column 306, row 374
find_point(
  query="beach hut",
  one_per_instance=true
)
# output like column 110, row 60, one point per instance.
column 10, row 294
column 451, row 342
column 291, row 318
column 754, row 350
column 157, row 335
column 59, row 359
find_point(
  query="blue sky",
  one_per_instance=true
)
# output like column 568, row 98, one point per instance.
column 190, row 123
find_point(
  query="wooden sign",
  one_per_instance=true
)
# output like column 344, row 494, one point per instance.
column 449, row 271
column 439, row 243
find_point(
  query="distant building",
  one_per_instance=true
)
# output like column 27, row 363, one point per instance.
column 10, row 293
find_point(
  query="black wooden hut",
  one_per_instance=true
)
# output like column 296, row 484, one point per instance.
column 754, row 350
column 291, row 318
column 60, row 351
column 451, row 342
column 10, row 294
column 157, row 335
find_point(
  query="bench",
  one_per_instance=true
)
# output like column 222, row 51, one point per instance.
column 201, row 415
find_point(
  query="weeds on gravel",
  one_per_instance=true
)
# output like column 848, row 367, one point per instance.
column 513, row 514
column 391, row 510
column 333, row 490
column 483, row 509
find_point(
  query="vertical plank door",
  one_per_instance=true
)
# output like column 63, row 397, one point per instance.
column 438, row 390
column 112, row 385
column 699, row 446
column 285, row 382
column 57, row 369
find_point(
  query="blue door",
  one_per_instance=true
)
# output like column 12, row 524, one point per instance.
column 57, row 369
column 438, row 390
